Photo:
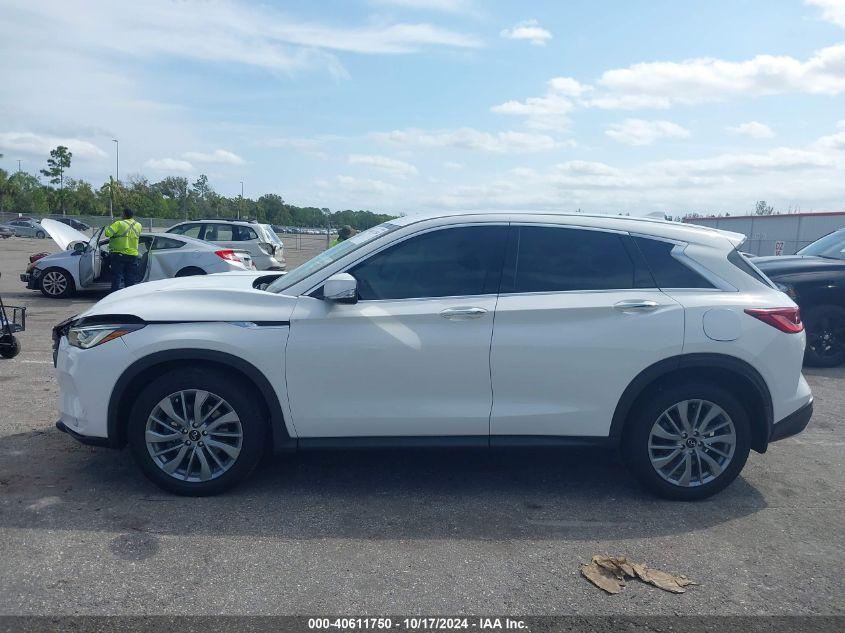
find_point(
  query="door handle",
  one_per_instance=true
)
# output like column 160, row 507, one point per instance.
column 462, row 314
column 636, row 305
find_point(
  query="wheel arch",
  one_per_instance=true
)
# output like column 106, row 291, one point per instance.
column 141, row 371
column 730, row 372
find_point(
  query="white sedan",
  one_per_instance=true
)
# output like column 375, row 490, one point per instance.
column 83, row 262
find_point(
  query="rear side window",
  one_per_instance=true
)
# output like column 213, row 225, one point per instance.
column 189, row 230
column 740, row 262
column 668, row 272
column 244, row 234
column 460, row 261
column 165, row 243
column 219, row 232
column 561, row 259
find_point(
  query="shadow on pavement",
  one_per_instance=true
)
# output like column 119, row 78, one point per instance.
column 47, row 481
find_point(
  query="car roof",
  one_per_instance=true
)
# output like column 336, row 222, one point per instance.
column 647, row 226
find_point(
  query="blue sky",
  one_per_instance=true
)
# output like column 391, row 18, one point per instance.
column 407, row 105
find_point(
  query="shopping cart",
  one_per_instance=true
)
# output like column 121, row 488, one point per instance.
column 12, row 320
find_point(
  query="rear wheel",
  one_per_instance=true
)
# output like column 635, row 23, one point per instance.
column 688, row 441
column 190, row 271
column 56, row 283
column 825, row 336
column 196, row 432
column 40, row 235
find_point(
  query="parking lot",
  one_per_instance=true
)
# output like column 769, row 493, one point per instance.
column 391, row 532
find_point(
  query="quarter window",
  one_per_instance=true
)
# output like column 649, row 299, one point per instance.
column 668, row 272
column 558, row 259
column 460, row 261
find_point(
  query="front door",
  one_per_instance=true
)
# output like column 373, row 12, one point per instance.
column 90, row 261
column 411, row 357
column 578, row 318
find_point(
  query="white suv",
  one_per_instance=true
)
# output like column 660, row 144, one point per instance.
column 489, row 330
column 260, row 240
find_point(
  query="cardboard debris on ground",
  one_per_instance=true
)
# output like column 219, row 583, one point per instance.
column 609, row 573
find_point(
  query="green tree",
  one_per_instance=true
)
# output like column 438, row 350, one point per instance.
column 58, row 162
column 761, row 208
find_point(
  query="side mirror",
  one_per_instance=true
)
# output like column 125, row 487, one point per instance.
column 78, row 248
column 342, row 288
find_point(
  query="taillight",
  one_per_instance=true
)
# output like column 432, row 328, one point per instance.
column 229, row 255
column 785, row 319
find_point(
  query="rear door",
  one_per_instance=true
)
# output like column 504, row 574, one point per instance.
column 577, row 319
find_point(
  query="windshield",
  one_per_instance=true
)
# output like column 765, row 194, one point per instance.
column 831, row 245
column 328, row 257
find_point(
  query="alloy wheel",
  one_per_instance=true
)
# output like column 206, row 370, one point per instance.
column 193, row 435
column 827, row 336
column 54, row 283
column 691, row 443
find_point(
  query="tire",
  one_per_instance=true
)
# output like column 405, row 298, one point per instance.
column 56, row 283
column 640, row 446
column 825, row 327
column 10, row 349
column 194, row 474
column 40, row 235
column 190, row 271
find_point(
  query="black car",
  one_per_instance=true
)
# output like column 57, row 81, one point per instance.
column 815, row 279
column 73, row 223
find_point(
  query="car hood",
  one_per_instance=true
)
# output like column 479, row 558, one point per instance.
column 62, row 234
column 219, row 297
column 789, row 264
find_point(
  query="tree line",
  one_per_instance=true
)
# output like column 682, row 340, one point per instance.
column 173, row 197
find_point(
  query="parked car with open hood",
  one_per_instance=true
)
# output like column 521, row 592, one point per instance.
column 265, row 247
column 484, row 330
column 815, row 279
column 84, row 262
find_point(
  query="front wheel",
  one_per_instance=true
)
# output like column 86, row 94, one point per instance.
column 825, row 336
column 196, row 432
column 688, row 441
column 56, row 283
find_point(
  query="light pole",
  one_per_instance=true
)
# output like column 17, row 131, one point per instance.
column 116, row 159
column 240, row 206
column 19, row 165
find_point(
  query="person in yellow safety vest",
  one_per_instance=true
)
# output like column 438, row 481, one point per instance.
column 123, row 250
column 344, row 233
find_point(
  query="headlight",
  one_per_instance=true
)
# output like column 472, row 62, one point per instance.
column 88, row 336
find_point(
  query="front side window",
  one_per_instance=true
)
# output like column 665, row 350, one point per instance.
column 560, row 259
column 667, row 270
column 452, row 262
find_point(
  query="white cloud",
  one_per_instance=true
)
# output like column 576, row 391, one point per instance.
column 447, row 6
column 640, row 132
column 835, row 141
column 39, row 144
column 363, row 186
column 707, row 79
column 567, row 86
column 832, row 10
column 753, row 129
column 226, row 31
column 169, row 165
column 384, row 163
column 450, row 164
column 528, row 30
column 470, row 139
column 217, row 157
